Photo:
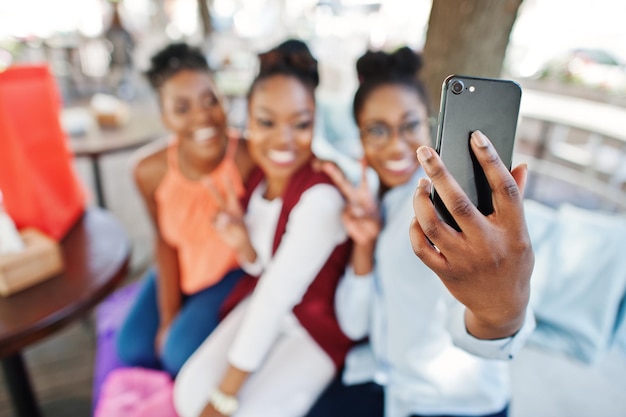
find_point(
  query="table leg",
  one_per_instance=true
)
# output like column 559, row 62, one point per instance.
column 97, row 180
column 18, row 384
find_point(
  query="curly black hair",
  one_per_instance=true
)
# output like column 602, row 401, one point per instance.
column 380, row 68
column 172, row 59
column 292, row 58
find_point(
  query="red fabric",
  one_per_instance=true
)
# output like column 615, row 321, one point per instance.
column 36, row 175
column 316, row 311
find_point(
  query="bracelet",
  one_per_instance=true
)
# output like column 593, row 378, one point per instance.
column 224, row 404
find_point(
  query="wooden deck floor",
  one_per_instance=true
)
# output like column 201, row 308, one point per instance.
column 62, row 370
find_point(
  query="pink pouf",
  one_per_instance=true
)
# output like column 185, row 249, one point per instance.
column 109, row 318
column 136, row 392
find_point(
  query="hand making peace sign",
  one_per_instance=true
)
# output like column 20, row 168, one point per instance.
column 361, row 215
column 229, row 221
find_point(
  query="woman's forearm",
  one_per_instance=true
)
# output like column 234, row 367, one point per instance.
column 363, row 258
column 168, row 283
column 232, row 381
column 246, row 253
column 506, row 325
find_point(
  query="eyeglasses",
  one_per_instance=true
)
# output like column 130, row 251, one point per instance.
column 378, row 135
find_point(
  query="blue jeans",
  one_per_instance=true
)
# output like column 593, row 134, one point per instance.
column 362, row 400
column 197, row 318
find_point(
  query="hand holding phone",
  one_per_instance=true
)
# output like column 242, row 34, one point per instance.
column 469, row 104
column 487, row 265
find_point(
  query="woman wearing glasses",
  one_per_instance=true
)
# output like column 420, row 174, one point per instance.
column 428, row 354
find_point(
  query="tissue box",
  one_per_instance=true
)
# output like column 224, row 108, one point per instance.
column 41, row 259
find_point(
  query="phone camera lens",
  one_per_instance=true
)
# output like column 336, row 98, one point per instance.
column 457, row 87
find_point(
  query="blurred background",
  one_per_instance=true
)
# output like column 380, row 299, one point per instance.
column 578, row 45
column 569, row 57
column 568, row 49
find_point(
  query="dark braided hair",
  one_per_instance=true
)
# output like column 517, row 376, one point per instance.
column 379, row 68
column 172, row 59
column 292, row 58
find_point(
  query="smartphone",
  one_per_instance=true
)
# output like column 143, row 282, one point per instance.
column 468, row 104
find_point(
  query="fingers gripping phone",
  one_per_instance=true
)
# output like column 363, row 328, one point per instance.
column 468, row 104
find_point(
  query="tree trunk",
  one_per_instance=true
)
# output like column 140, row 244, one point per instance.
column 466, row 37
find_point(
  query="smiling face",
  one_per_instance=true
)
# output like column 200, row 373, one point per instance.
column 191, row 110
column 280, row 127
column 393, row 122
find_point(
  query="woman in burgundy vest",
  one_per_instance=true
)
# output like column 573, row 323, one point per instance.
column 279, row 344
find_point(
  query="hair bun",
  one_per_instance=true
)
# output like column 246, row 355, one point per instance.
column 291, row 56
column 406, row 61
column 372, row 65
column 380, row 65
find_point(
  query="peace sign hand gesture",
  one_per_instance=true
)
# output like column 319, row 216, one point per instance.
column 361, row 216
column 229, row 221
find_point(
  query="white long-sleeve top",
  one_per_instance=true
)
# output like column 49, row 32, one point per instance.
column 313, row 231
column 419, row 349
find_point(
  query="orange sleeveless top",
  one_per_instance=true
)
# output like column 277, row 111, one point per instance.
column 185, row 213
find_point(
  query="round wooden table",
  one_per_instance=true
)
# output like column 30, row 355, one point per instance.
column 96, row 254
column 143, row 127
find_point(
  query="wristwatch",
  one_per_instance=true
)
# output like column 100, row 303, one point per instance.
column 224, row 404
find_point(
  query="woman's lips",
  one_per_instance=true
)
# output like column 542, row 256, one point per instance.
column 281, row 157
column 204, row 134
column 399, row 165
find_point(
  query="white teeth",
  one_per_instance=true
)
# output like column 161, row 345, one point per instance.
column 204, row 134
column 399, row 165
column 282, row 157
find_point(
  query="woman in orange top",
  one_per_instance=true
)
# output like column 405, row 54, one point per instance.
column 178, row 305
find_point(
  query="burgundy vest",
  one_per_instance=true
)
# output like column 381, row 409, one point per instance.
column 316, row 310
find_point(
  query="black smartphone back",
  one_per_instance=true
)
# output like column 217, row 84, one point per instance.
column 469, row 104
